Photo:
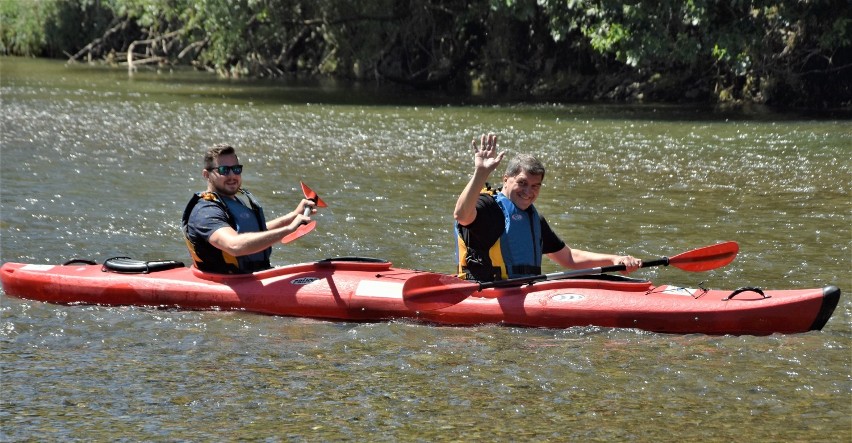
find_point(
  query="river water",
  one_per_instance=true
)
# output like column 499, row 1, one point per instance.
column 96, row 163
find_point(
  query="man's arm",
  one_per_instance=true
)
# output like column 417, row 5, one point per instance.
column 579, row 259
column 238, row 244
column 287, row 219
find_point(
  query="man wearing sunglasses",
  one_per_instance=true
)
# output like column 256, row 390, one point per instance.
column 225, row 228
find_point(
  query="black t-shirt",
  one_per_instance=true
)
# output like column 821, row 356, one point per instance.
column 486, row 229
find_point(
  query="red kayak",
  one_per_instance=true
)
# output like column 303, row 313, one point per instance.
column 363, row 289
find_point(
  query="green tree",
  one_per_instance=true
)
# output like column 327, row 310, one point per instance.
column 786, row 52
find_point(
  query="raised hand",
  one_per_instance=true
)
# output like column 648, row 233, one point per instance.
column 485, row 156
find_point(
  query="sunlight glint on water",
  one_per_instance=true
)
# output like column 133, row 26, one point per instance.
column 96, row 165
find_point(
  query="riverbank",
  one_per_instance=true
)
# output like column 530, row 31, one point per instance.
column 790, row 54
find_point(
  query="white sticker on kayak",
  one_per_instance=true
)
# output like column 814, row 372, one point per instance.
column 679, row 291
column 303, row 280
column 568, row 297
column 372, row 288
column 38, row 268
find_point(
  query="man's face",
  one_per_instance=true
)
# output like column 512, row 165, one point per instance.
column 227, row 184
column 522, row 189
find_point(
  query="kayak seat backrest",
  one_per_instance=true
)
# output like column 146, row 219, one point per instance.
column 79, row 261
column 127, row 265
column 354, row 263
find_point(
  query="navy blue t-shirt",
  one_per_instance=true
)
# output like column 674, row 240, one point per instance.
column 207, row 217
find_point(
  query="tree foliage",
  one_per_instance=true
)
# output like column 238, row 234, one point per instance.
column 790, row 52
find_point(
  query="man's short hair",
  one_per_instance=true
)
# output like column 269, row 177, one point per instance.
column 524, row 163
column 219, row 149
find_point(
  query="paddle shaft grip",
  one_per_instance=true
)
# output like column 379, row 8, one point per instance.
column 307, row 211
column 645, row 264
column 305, row 226
column 604, row 269
column 658, row 262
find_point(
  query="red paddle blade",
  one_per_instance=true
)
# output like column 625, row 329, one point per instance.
column 706, row 258
column 300, row 231
column 308, row 227
column 428, row 292
column 311, row 195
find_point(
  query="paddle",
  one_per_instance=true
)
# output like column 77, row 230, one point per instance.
column 309, row 226
column 430, row 291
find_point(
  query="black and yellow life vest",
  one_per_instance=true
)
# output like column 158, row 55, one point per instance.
column 518, row 250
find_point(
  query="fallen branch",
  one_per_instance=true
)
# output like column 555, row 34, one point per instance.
column 151, row 42
column 88, row 49
column 199, row 44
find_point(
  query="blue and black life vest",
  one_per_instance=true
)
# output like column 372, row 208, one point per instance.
column 209, row 258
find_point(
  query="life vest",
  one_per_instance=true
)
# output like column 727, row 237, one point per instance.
column 517, row 253
column 209, row 258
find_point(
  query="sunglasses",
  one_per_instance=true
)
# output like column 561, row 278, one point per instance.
column 225, row 170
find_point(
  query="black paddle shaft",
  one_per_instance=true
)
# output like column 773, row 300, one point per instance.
column 568, row 274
